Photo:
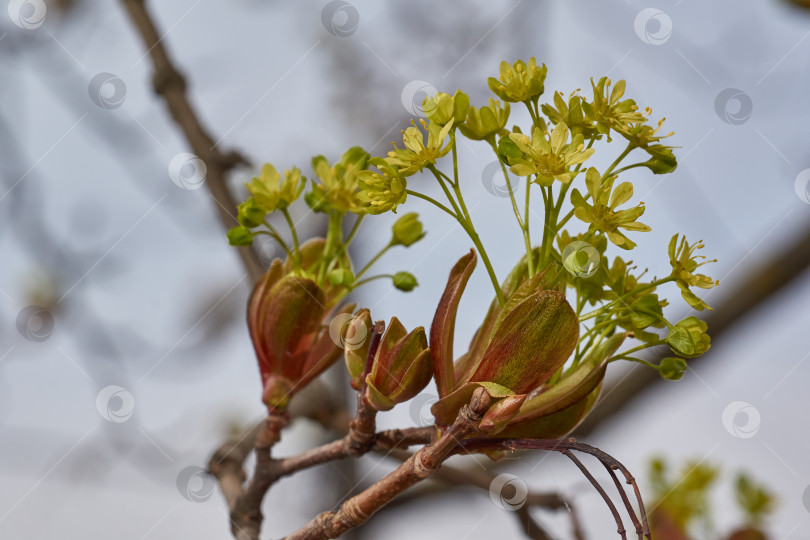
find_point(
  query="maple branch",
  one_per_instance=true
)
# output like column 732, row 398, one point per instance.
column 421, row 465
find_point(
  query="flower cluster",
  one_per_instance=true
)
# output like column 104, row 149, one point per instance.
column 539, row 354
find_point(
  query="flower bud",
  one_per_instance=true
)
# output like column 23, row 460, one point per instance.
column 530, row 338
column 519, row 81
column 405, row 281
column 407, row 230
column 285, row 316
column 354, row 336
column 240, row 236
column 402, row 367
column 688, row 338
column 341, row 277
column 486, row 122
column 250, row 214
column 442, row 107
column 672, row 368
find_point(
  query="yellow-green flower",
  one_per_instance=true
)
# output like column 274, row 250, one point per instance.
column 571, row 113
column 602, row 215
column 441, row 107
column 381, row 191
column 271, row 192
column 486, row 122
column 608, row 110
column 419, row 153
column 338, row 185
column 684, row 262
column 519, row 81
column 549, row 155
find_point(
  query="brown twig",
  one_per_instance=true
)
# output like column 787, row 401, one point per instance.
column 361, row 431
column 565, row 446
column 246, row 514
column 169, row 83
column 424, row 463
column 245, row 504
column 482, row 479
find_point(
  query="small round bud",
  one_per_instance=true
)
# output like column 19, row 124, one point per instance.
column 405, row 281
column 240, row 236
column 672, row 368
column 250, row 214
column 407, row 230
column 341, row 276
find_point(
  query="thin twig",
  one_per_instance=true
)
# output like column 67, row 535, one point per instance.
column 602, row 493
column 564, row 446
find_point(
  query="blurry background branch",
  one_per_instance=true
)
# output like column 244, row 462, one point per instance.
column 171, row 85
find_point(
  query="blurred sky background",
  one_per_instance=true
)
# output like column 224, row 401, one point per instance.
column 145, row 294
